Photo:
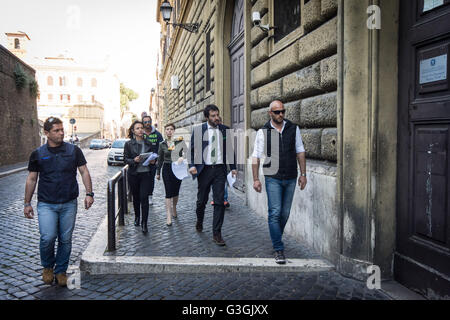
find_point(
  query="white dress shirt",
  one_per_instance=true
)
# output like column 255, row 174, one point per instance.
column 210, row 133
column 258, row 151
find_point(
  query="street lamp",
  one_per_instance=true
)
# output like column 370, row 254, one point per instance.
column 152, row 92
column 166, row 11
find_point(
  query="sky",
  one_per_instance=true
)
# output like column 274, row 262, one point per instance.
column 89, row 31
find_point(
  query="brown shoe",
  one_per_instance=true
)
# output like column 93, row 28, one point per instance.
column 61, row 279
column 47, row 275
column 199, row 227
column 218, row 240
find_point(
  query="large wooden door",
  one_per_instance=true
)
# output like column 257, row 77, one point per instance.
column 422, row 258
column 236, row 49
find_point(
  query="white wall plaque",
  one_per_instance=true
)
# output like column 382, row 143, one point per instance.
column 433, row 69
column 174, row 82
column 431, row 4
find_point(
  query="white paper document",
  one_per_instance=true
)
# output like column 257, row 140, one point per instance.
column 150, row 156
column 231, row 180
column 180, row 170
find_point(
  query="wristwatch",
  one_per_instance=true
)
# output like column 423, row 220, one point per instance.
column 91, row 194
column 27, row 205
column 303, row 174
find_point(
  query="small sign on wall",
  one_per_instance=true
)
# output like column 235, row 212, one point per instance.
column 433, row 69
column 431, row 4
column 174, row 82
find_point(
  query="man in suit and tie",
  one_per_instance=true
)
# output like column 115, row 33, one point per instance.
column 208, row 164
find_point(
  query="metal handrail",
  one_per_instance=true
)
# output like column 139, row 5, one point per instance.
column 120, row 178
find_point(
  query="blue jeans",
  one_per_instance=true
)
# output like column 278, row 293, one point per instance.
column 279, row 197
column 225, row 195
column 56, row 221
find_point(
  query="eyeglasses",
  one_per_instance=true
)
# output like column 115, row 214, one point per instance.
column 277, row 112
column 147, row 122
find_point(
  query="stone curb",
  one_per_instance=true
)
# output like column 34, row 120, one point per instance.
column 7, row 173
column 94, row 262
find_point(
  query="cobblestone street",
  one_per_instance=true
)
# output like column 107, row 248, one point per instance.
column 20, row 269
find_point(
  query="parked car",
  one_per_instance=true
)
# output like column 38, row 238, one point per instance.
column 108, row 143
column 115, row 155
column 97, row 144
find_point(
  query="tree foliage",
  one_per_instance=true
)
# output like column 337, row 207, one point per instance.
column 126, row 96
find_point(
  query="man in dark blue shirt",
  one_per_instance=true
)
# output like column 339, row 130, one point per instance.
column 56, row 164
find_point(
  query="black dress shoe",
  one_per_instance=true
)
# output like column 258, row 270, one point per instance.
column 199, row 227
column 144, row 228
column 218, row 240
column 136, row 222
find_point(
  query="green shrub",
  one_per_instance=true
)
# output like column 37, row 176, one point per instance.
column 34, row 87
column 20, row 77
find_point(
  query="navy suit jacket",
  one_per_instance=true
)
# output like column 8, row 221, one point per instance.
column 197, row 155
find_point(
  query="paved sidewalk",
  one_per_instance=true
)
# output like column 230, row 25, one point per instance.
column 12, row 168
column 246, row 234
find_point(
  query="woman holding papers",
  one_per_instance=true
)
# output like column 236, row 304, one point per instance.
column 170, row 151
column 136, row 153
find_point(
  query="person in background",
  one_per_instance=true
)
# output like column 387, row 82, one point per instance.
column 226, row 203
column 139, row 178
column 154, row 137
column 166, row 156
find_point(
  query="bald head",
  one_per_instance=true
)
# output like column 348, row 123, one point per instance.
column 275, row 104
column 277, row 112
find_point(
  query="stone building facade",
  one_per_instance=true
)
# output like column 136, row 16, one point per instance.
column 19, row 133
column 377, row 147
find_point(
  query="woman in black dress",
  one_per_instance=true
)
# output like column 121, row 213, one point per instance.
column 138, row 175
column 165, row 158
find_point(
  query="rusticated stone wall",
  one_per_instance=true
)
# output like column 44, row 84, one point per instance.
column 303, row 75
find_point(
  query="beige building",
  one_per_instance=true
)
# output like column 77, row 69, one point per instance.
column 69, row 89
column 368, row 84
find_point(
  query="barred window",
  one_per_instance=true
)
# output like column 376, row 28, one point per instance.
column 286, row 17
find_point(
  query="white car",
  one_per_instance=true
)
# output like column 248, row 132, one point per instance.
column 115, row 155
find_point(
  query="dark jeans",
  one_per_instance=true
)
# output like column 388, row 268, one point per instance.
column 214, row 176
column 140, row 188
column 152, row 174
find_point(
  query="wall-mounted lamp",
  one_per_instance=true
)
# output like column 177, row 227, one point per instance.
column 256, row 19
column 166, row 11
column 152, row 91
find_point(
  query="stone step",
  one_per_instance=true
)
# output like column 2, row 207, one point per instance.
column 94, row 262
column 142, row 265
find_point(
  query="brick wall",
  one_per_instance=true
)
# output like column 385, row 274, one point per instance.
column 303, row 75
column 19, row 126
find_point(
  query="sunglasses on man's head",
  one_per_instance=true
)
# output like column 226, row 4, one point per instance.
column 277, row 112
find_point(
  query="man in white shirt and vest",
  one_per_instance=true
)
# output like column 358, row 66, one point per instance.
column 281, row 142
